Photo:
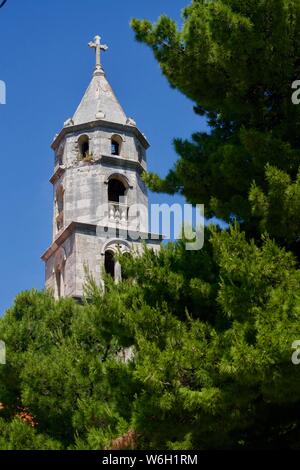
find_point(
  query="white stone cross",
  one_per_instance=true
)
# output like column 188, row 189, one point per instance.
column 99, row 47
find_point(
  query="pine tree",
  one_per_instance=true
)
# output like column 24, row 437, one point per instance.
column 237, row 61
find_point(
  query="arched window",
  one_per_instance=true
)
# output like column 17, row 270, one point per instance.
column 60, row 260
column 140, row 153
column 109, row 250
column 116, row 145
column 116, row 190
column 60, row 207
column 59, row 156
column 59, row 283
column 109, row 263
column 84, row 146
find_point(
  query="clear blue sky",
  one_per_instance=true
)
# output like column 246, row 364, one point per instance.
column 46, row 64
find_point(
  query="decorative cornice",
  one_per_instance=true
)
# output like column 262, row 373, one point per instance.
column 70, row 129
column 80, row 227
column 58, row 241
column 122, row 162
column 115, row 160
column 57, row 174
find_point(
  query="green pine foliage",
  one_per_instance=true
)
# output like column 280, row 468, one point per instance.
column 226, row 381
column 16, row 435
column 193, row 349
column 236, row 60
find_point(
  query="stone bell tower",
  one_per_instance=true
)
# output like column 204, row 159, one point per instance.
column 100, row 201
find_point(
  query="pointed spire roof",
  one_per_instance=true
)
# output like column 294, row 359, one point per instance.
column 99, row 103
column 99, row 100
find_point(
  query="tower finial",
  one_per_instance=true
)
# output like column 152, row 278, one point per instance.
column 98, row 47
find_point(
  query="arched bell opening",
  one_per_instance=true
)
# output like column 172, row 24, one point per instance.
column 116, row 145
column 117, row 199
column 116, row 190
column 59, row 199
column 84, row 146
